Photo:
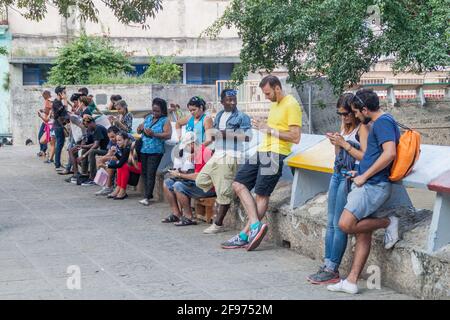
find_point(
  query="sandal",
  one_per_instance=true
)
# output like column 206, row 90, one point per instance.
column 65, row 172
column 171, row 219
column 185, row 222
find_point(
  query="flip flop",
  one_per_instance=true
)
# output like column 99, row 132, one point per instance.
column 184, row 222
column 171, row 219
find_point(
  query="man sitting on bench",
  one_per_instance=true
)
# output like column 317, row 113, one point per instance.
column 180, row 187
column 99, row 140
column 262, row 172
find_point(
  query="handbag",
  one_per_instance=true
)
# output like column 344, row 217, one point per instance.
column 101, row 177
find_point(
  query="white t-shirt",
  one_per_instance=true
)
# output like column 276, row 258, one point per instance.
column 223, row 120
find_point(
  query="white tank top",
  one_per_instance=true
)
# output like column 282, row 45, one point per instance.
column 352, row 137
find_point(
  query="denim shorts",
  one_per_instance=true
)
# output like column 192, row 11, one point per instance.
column 188, row 188
column 365, row 201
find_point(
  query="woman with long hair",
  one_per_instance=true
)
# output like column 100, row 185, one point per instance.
column 350, row 144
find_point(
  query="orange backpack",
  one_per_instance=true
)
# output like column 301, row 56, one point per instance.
column 408, row 151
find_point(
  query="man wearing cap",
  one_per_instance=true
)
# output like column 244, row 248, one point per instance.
column 100, row 141
column 230, row 129
column 60, row 115
column 180, row 187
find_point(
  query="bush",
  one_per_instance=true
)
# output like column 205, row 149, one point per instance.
column 92, row 60
column 163, row 70
column 87, row 57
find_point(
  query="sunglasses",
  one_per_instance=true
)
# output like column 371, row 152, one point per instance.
column 345, row 114
column 359, row 100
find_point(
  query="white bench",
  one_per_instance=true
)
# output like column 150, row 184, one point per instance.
column 314, row 165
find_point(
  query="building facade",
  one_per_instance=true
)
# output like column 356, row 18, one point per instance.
column 33, row 47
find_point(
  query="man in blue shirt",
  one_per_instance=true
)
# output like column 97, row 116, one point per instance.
column 371, row 186
column 231, row 127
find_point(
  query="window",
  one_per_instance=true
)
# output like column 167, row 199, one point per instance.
column 35, row 74
column 208, row 73
column 139, row 69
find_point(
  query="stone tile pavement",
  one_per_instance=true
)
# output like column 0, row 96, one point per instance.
column 124, row 252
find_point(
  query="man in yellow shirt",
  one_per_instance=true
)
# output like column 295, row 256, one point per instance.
column 282, row 130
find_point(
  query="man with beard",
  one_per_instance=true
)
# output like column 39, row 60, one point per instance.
column 371, row 186
column 262, row 172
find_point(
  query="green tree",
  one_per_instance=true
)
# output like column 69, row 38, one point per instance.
column 85, row 57
column 129, row 11
column 162, row 70
column 314, row 38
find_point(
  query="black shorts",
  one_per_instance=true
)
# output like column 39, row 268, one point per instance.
column 261, row 172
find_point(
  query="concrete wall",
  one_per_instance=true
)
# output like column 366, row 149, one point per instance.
column 433, row 120
column 26, row 100
column 179, row 18
column 174, row 31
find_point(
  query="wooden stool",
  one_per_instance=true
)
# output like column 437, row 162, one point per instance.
column 204, row 209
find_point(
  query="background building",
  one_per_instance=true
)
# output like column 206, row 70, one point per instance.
column 33, row 47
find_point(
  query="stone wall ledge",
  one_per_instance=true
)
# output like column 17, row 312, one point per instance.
column 407, row 268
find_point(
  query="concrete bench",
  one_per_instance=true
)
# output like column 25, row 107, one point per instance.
column 313, row 168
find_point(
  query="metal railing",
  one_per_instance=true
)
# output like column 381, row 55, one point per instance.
column 250, row 98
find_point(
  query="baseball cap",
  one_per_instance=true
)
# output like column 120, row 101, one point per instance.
column 188, row 138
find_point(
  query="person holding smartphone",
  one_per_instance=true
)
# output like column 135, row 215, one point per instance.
column 350, row 145
column 60, row 115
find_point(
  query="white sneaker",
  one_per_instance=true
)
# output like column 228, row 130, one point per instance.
column 144, row 202
column 104, row 191
column 343, row 286
column 391, row 233
column 214, row 228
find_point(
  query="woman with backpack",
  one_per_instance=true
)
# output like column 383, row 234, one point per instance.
column 350, row 145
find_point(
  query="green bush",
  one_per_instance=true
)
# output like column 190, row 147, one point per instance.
column 91, row 60
column 163, row 70
column 86, row 57
column 118, row 79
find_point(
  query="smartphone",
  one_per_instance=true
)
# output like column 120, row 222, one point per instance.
column 347, row 173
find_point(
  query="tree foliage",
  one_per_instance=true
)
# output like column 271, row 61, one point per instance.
column 334, row 38
column 87, row 56
column 160, row 71
column 126, row 11
column 163, row 70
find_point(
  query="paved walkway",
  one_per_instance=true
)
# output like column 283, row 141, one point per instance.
column 123, row 251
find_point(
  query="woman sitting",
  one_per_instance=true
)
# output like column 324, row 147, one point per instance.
column 124, row 121
column 123, row 167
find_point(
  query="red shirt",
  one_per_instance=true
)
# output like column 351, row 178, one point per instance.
column 201, row 158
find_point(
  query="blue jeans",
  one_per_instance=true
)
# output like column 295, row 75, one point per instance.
column 59, row 135
column 42, row 147
column 188, row 188
column 335, row 239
